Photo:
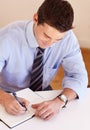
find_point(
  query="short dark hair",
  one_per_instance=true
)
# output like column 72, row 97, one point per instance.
column 56, row 13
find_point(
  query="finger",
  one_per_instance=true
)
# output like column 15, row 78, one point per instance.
column 50, row 116
column 43, row 114
column 12, row 110
column 47, row 115
column 35, row 106
column 17, row 109
column 40, row 111
column 25, row 102
column 39, row 106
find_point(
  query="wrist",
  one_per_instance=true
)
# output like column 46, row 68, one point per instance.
column 59, row 102
column 3, row 96
column 64, row 99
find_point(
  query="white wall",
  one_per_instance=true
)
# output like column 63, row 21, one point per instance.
column 82, row 21
column 11, row 10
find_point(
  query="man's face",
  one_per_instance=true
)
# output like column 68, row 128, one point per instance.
column 46, row 35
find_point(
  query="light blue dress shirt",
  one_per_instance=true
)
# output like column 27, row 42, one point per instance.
column 18, row 50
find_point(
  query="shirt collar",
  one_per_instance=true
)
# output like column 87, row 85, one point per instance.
column 30, row 35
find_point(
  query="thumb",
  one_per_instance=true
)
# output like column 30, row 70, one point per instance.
column 35, row 106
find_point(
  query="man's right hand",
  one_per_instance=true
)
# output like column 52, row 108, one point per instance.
column 11, row 105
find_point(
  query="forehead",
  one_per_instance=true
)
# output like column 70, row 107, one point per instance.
column 51, row 31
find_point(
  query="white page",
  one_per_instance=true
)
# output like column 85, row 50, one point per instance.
column 11, row 120
column 48, row 95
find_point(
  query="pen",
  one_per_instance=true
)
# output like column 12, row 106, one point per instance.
column 14, row 94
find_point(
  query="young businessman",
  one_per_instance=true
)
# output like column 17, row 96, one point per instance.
column 50, row 29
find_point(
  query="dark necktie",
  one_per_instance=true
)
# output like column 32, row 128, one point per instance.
column 37, row 71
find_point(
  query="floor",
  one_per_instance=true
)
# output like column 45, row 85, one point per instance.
column 57, row 82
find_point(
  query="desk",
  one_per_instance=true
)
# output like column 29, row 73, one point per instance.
column 75, row 117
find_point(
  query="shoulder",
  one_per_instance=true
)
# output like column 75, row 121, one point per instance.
column 70, row 36
column 14, row 27
column 68, row 45
column 13, row 31
column 70, row 41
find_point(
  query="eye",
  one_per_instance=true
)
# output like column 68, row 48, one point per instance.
column 46, row 36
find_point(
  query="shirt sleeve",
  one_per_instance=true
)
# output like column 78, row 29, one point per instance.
column 75, row 73
column 4, row 51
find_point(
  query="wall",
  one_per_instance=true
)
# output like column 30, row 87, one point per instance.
column 82, row 21
column 11, row 10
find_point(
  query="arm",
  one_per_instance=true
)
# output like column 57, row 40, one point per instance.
column 75, row 73
column 48, row 109
column 74, row 85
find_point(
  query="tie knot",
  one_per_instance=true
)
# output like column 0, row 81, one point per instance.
column 41, row 50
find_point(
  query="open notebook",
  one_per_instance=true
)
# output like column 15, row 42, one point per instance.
column 12, row 121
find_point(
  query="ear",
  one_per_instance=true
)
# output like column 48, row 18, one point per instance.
column 35, row 17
